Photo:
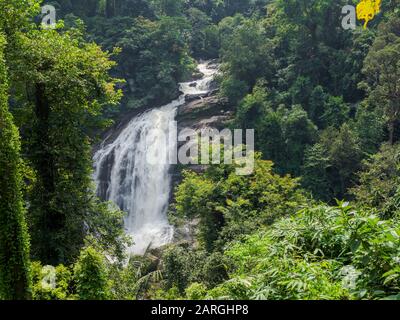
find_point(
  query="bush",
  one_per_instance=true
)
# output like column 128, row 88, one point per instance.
column 320, row 253
column 90, row 276
column 196, row 291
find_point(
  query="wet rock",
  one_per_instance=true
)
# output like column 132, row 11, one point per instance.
column 210, row 111
column 194, row 97
column 197, row 75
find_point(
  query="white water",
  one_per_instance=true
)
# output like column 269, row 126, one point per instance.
column 141, row 188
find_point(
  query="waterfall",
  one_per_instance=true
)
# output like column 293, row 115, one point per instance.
column 142, row 188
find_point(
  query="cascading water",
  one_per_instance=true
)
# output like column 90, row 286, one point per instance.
column 141, row 188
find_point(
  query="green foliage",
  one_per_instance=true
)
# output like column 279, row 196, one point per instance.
column 204, row 42
column 15, row 279
column 194, row 265
column 246, row 54
column 132, row 282
column 234, row 89
column 382, row 68
column 316, row 172
column 51, row 283
column 175, row 259
column 326, row 110
column 301, row 59
column 378, row 188
column 218, row 10
column 106, row 8
column 196, row 291
column 320, row 253
column 282, row 134
column 168, row 7
column 16, row 14
column 370, row 128
column 252, row 107
column 91, row 278
column 105, row 231
column 156, row 37
column 154, row 56
column 292, row 75
column 299, row 132
column 321, row 100
column 331, row 165
column 214, row 270
column 90, row 275
column 229, row 205
column 62, row 86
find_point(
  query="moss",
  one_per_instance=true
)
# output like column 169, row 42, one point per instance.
column 14, row 242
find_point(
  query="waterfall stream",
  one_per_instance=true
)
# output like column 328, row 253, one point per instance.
column 142, row 188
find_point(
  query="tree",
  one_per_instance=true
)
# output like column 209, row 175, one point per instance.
column 270, row 139
column 16, row 14
column 330, row 166
column 315, row 172
column 176, row 258
column 346, row 156
column 229, row 205
column 169, row 7
column 369, row 126
column 201, row 28
column 90, row 275
column 326, row 110
column 252, row 108
column 247, row 53
column 154, row 56
column 314, row 33
column 382, row 68
column 14, row 240
column 299, row 132
column 378, row 187
column 63, row 85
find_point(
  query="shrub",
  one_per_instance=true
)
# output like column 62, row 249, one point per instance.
column 90, row 276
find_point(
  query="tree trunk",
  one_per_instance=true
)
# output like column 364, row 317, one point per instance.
column 50, row 221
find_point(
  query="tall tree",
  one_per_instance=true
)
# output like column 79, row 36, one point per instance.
column 14, row 240
column 379, row 182
column 63, row 84
column 382, row 68
column 330, row 165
